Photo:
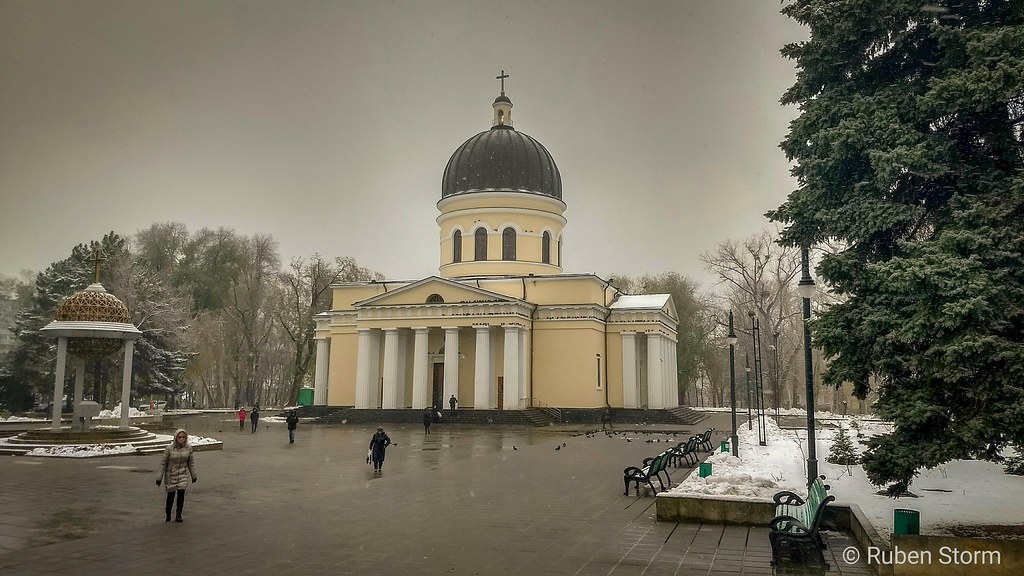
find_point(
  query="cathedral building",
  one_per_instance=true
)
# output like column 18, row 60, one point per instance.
column 501, row 327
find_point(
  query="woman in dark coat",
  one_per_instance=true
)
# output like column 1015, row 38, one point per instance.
column 254, row 417
column 177, row 467
column 378, row 443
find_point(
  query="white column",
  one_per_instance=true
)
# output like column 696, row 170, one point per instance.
column 524, row 370
column 655, row 372
column 513, row 362
column 482, row 368
column 391, row 387
column 363, row 369
column 79, row 386
column 673, row 362
column 58, row 382
column 323, row 363
column 404, row 342
column 451, row 364
column 420, row 390
column 670, row 372
column 368, row 369
column 126, row 383
column 492, row 377
column 630, row 393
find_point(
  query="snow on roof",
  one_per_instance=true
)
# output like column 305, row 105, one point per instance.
column 646, row 301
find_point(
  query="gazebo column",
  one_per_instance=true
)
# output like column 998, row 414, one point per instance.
column 451, row 363
column 79, row 387
column 420, row 391
column 58, row 381
column 126, row 386
column 629, row 387
column 482, row 368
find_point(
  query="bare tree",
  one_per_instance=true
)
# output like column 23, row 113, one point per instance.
column 305, row 292
column 758, row 276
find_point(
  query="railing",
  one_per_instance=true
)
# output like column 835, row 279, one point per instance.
column 553, row 412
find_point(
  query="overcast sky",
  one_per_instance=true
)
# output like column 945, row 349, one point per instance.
column 328, row 124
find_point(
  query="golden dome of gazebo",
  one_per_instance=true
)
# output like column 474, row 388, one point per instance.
column 93, row 305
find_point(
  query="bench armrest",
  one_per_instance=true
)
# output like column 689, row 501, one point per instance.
column 787, row 497
column 632, row 471
column 789, row 525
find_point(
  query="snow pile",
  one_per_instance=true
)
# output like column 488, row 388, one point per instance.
column 83, row 450
column 22, row 419
column 757, row 473
column 116, row 412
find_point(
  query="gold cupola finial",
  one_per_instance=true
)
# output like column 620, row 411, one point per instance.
column 502, row 106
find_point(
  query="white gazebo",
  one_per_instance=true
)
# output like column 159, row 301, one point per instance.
column 91, row 324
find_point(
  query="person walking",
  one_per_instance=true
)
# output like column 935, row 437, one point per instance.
column 293, row 423
column 378, row 443
column 453, row 402
column 176, row 468
column 427, row 417
column 255, row 418
column 241, row 418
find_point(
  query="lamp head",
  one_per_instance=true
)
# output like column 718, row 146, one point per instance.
column 731, row 338
column 806, row 287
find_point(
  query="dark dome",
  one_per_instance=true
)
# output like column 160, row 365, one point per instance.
column 501, row 159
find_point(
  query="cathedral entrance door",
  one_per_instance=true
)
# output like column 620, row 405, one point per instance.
column 501, row 392
column 437, row 401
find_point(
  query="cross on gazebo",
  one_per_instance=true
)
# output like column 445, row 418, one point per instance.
column 502, row 78
column 96, row 259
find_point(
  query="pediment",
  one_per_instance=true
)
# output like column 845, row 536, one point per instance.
column 420, row 292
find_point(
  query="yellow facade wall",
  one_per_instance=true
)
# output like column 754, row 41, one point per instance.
column 341, row 389
column 565, row 363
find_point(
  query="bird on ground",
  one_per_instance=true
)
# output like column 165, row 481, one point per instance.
column 563, row 444
column 514, row 448
column 558, row 447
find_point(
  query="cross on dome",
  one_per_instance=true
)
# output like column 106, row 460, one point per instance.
column 96, row 259
column 502, row 78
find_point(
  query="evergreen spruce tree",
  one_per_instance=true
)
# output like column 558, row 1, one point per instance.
column 843, row 452
column 908, row 155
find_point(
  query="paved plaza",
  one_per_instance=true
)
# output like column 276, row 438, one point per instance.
column 459, row 501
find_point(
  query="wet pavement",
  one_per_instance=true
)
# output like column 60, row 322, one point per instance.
column 457, row 501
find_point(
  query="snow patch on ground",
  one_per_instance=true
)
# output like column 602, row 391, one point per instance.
column 959, row 493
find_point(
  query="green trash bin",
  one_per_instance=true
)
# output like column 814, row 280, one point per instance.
column 906, row 521
column 704, row 470
column 724, row 446
column 305, row 396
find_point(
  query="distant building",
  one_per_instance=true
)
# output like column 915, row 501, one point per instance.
column 501, row 326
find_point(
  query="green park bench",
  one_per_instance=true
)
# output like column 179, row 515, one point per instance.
column 652, row 468
column 798, row 520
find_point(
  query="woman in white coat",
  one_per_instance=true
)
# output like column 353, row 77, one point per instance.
column 176, row 468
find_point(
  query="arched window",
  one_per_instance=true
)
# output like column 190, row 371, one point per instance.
column 559, row 250
column 435, row 299
column 457, row 246
column 545, row 248
column 480, row 244
column 508, row 244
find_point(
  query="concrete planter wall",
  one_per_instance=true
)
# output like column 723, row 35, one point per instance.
column 714, row 510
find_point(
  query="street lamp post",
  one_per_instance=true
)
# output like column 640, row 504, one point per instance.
column 732, row 383
column 746, row 368
column 775, row 349
column 806, row 290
